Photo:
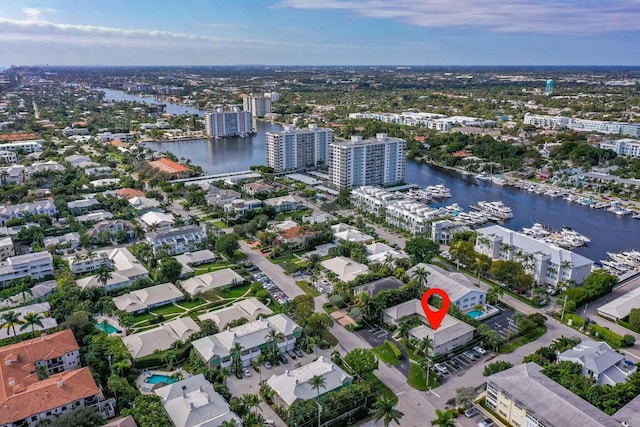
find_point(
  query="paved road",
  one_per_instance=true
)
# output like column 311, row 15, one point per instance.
column 274, row 272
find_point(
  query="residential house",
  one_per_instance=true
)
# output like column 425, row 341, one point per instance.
column 284, row 203
column 348, row 233
column 295, row 385
column 6, row 248
column 79, row 161
column 17, row 174
column 460, row 290
column 99, row 215
column 295, row 236
column 193, row 259
column 142, row 300
column 524, row 396
column 620, row 307
column 377, row 286
column 451, row 334
column 178, row 240
column 8, row 157
column 318, row 219
column 548, row 263
column 32, row 146
column 113, row 228
column 127, row 269
column 255, row 188
column 98, row 171
column 216, row 350
column 380, row 253
column 210, row 281
column 144, row 204
column 35, row 265
column 127, row 421
column 27, row 397
column 193, row 402
column 239, row 207
column 128, row 193
column 67, row 243
column 157, row 220
column 218, row 197
column 249, row 309
column 171, row 168
column 345, row 268
column 145, row 343
column 42, row 308
column 43, row 289
column 38, row 207
column 600, row 362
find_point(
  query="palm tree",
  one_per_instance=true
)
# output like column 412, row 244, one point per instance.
column 235, row 354
column 274, row 336
column 456, row 251
column 425, row 345
column 479, row 265
column 420, row 275
column 426, row 364
column 32, row 319
column 494, row 294
column 564, row 265
column 403, row 329
column 384, row 409
column 444, row 419
column 251, row 401
column 315, row 342
column 388, row 261
column 104, row 275
column 316, row 382
column 482, row 241
column 10, row 319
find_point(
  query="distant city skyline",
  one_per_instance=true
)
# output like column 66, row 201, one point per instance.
column 320, row 32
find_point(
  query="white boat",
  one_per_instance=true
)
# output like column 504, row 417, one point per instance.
column 496, row 209
column 499, row 181
column 483, row 176
column 571, row 235
column 536, row 231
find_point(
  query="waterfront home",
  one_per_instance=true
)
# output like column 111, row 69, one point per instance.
column 192, row 402
column 160, row 338
column 209, row 281
column 523, row 395
column 249, row 309
column 548, row 263
column 171, row 168
column 176, row 241
column 600, row 362
column 44, row 379
column 451, row 334
column 295, row 385
column 35, row 265
column 142, row 300
column 253, row 337
column 345, row 268
column 460, row 290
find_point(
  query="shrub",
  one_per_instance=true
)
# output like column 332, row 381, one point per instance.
column 337, row 301
column 628, row 340
column 611, row 337
column 393, row 349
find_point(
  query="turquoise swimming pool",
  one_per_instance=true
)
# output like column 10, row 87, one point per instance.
column 475, row 314
column 107, row 327
column 157, row 378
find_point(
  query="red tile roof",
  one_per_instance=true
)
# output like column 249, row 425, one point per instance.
column 128, row 193
column 168, row 166
column 18, row 136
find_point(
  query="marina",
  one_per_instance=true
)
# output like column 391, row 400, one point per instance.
column 566, row 238
column 622, row 263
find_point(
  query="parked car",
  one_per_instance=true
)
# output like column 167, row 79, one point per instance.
column 454, row 363
column 292, row 355
column 479, row 350
column 269, row 422
column 267, row 365
column 246, row 372
column 471, row 412
column 284, row 359
column 298, row 352
column 487, row 422
column 440, row 368
column 469, row 355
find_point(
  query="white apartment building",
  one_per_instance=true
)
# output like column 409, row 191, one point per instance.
column 32, row 146
column 221, row 124
column 623, row 147
column 376, row 161
column 35, row 265
column 44, row 207
column 6, row 248
column 17, row 174
column 549, row 264
column 617, row 128
column 8, row 157
column 373, row 199
column 434, row 121
column 126, row 269
column 178, row 240
column 259, row 106
column 297, row 149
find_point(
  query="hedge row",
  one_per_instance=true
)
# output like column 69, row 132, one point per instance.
column 153, row 360
column 393, row 349
column 611, row 337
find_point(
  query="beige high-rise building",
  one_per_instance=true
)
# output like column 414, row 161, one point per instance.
column 297, row 149
column 258, row 105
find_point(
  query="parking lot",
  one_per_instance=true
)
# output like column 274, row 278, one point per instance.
column 457, row 364
column 276, row 293
column 502, row 322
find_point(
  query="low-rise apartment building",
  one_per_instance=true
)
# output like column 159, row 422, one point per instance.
column 38, row 207
column 178, row 240
column 6, row 248
column 548, row 263
column 126, row 268
column 36, row 265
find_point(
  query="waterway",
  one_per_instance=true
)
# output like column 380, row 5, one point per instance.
column 607, row 231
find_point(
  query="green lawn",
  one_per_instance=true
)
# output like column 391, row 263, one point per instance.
column 412, row 355
column 169, row 309
column 385, row 355
column 307, row 288
column 213, row 266
column 220, row 224
column 520, row 341
column 418, row 380
column 192, row 304
column 235, row 292
column 142, row 317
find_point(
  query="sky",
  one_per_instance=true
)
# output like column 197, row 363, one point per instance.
column 320, row 32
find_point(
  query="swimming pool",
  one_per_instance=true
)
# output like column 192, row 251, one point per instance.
column 107, row 327
column 475, row 314
column 157, row 378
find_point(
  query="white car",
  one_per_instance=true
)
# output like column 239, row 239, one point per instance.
column 246, row 372
column 440, row 368
column 481, row 351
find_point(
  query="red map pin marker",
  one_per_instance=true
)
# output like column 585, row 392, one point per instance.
column 435, row 318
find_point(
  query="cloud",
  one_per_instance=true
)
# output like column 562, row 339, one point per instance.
column 35, row 14
column 559, row 17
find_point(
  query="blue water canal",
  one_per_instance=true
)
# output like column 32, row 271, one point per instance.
column 607, row 231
